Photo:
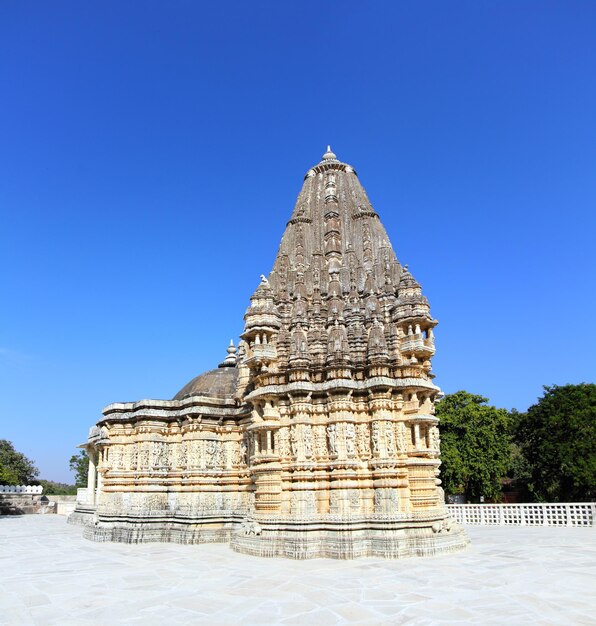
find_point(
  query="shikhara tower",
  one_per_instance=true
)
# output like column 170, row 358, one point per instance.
column 317, row 437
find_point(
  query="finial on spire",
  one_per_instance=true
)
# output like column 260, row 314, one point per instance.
column 329, row 155
column 230, row 360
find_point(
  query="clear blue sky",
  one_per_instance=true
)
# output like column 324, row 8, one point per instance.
column 151, row 154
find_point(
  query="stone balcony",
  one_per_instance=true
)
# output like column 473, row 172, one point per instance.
column 261, row 353
column 418, row 344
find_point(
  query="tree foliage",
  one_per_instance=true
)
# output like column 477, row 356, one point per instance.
column 79, row 464
column 475, row 445
column 57, row 489
column 557, row 436
column 15, row 467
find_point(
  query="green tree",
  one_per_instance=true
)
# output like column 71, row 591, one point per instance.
column 15, row 467
column 475, row 450
column 57, row 489
column 557, row 437
column 518, row 472
column 79, row 464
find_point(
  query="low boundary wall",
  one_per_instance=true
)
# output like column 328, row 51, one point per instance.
column 27, row 489
column 25, row 504
column 535, row 514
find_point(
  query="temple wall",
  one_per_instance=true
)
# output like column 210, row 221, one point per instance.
column 330, row 458
column 295, row 458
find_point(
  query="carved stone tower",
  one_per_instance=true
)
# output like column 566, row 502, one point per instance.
column 318, row 437
column 338, row 341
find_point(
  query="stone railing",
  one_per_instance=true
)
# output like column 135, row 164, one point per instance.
column 547, row 514
column 31, row 489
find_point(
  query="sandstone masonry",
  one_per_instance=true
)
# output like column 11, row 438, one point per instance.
column 316, row 437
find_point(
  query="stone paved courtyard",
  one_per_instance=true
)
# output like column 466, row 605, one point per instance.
column 510, row 575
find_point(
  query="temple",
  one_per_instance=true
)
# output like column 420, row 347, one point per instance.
column 316, row 436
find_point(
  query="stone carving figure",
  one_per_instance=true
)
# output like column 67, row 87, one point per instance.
column 332, row 437
column 158, row 454
column 283, row 445
column 295, row 441
column 227, row 453
column 435, row 438
column 350, row 439
column 376, row 437
column 218, row 455
column 144, row 460
column 363, row 440
column 167, row 454
column 122, row 458
column 212, row 453
column 194, row 453
column 184, row 454
column 249, row 527
column 390, row 438
column 307, row 440
column 402, row 444
column 242, row 450
column 320, row 441
column 116, row 457
column 134, row 456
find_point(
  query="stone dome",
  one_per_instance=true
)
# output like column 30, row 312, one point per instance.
column 217, row 383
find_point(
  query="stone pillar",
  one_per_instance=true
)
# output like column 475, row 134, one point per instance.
column 98, row 490
column 269, row 447
column 91, row 479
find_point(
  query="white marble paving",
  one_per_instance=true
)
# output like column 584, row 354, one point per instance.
column 509, row 575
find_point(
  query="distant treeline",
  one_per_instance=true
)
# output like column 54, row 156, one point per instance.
column 547, row 454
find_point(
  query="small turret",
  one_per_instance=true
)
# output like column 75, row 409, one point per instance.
column 410, row 302
column 262, row 324
column 414, row 322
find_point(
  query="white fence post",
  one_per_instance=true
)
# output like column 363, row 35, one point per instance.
column 26, row 489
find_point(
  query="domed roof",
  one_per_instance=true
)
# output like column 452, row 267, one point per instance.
column 217, row 383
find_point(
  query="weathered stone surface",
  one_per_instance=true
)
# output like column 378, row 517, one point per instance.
column 318, row 436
